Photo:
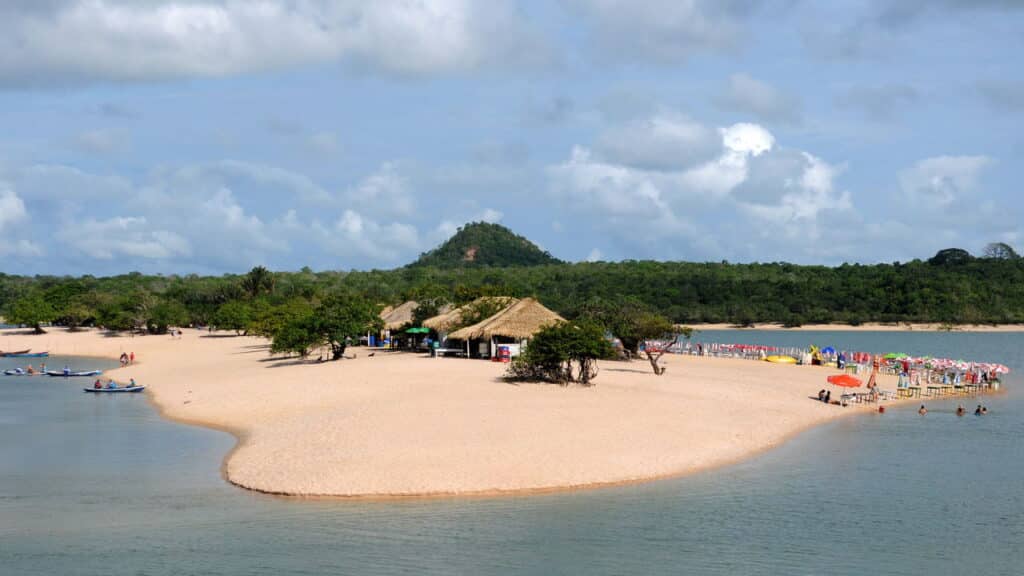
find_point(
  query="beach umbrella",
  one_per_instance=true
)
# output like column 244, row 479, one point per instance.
column 828, row 350
column 418, row 331
column 844, row 380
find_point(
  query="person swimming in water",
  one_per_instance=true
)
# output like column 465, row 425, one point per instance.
column 922, row 410
column 960, row 410
column 977, row 411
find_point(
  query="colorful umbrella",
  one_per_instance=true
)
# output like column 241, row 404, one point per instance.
column 845, row 380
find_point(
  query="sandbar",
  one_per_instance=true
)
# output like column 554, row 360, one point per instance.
column 403, row 424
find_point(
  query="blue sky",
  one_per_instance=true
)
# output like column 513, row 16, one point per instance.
column 209, row 136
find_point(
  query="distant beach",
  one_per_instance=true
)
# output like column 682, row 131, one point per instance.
column 399, row 424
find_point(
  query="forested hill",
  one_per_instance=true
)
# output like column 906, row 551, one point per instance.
column 480, row 244
column 952, row 287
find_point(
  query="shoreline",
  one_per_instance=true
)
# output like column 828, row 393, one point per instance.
column 441, row 444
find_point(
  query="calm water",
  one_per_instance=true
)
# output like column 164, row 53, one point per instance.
column 102, row 485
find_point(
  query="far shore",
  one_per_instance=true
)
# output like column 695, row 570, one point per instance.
column 405, row 425
column 868, row 327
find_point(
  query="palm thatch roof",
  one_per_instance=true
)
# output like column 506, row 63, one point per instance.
column 453, row 318
column 394, row 318
column 520, row 321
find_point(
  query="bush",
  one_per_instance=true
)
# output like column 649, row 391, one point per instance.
column 563, row 353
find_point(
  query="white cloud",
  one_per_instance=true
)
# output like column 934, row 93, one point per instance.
column 744, row 138
column 595, row 255
column 490, row 215
column 71, row 40
column 355, row 236
column 12, row 208
column 747, row 94
column 795, row 213
column 216, row 216
column 383, row 192
column 939, row 182
column 123, row 237
column 755, row 200
column 666, row 140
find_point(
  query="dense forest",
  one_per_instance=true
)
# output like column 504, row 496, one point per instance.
column 952, row 287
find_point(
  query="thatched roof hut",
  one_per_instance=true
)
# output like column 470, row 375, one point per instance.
column 519, row 321
column 395, row 318
column 453, row 318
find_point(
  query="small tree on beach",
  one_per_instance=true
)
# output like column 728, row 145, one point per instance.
column 563, row 353
column 31, row 310
column 338, row 320
column 164, row 315
column 634, row 324
column 235, row 315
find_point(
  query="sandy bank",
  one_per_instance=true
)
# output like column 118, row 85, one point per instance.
column 869, row 327
column 402, row 425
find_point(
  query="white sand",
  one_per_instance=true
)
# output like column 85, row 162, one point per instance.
column 402, row 425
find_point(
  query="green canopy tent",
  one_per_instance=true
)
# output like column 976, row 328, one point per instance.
column 417, row 331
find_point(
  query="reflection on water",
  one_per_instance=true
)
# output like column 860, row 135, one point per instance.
column 102, row 485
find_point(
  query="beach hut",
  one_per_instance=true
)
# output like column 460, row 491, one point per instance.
column 453, row 319
column 395, row 319
column 511, row 327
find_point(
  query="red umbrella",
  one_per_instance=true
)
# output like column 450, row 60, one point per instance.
column 844, row 380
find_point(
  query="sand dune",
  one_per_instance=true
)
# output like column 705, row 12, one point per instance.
column 401, row 424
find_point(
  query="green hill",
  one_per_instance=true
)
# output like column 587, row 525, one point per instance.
column 480, row 244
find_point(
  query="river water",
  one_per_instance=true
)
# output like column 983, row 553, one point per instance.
column 103, row 485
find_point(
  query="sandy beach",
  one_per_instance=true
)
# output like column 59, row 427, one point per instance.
column 399, row 424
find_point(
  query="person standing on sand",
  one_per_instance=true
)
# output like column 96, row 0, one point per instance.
column 131, row 359
column 124, row 359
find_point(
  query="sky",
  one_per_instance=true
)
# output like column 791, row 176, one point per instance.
column 210, row 136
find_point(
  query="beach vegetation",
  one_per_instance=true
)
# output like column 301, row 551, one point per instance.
column 236, row 315
column 258, row 281
column 563, row 353
column 952, row 287
column 164, row 314
column 336, row 322
column 32, row 310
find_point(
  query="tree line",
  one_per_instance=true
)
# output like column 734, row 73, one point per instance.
column 953, row 287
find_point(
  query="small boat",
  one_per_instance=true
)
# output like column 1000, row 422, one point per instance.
column 779, row 359
column 61, row 373
column 15, row 372
column 27, row 355
column 115, row 390
column 8, row 354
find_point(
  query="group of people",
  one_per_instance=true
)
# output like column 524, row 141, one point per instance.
column 112, row 385
column 960, row 410
column 127, row 359
column 31, row 371
column 825, row 396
